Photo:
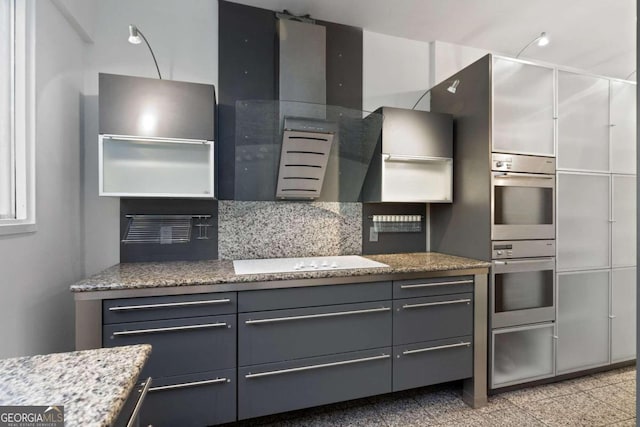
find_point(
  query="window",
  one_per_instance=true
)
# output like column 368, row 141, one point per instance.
column 17, row 113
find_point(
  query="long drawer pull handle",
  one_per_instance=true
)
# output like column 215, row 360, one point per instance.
column 324, row 365
column 427, row 285
column 316, row 316
column 440, row 347
column 170, row 329
column 432, row 304
column 169, row 305
column 193, row 384
column 136, row 410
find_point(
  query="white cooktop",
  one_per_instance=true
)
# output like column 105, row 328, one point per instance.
column 292, row 265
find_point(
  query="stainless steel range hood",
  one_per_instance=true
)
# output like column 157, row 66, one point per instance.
column 306, row 139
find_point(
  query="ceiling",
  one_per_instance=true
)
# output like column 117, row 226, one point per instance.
column 594, row 35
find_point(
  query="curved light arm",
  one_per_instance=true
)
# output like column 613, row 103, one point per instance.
column 540, row 37
column 150, row 50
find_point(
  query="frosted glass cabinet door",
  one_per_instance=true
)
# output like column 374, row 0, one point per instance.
column 583, row 122
column 623, row 130
column 583, row 320
column 582, row 221
column 623, row 311
column 522, row 354
column 522, row 108
column 623, row 228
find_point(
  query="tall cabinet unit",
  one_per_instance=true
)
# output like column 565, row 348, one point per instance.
column 596, row 217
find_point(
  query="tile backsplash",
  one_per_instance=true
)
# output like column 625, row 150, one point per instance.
column 288, row 229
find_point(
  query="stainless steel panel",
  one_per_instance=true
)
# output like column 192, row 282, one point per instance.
column 505, row 249
column 416, row 133
column 523, row 206
column 520, row 163
column 302, row 62
column 522, row 292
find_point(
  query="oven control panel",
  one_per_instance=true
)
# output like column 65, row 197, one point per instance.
column 521, row 163
column 523, row 249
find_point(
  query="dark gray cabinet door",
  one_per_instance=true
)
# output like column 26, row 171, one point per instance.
column 312, row 296
column 191, row 400
column 432, row 318
column 279, row 387
column 432, row 362
column 277, row 335
column 431, row 287
column 139, row 106
column 167, row 307
column 180, row 346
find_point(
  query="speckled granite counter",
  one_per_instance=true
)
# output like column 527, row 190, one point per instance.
column 189, row 273
column 92, row 385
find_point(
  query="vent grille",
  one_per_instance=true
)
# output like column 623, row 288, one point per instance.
column 303, row 164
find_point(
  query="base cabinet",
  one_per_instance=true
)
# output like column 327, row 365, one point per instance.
column 286, row 386
column 583, row 320
column 191, row 400
column 521, row 354
column 623, row 314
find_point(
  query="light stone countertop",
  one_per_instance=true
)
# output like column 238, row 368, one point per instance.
column 92, row 385
column 189, row 273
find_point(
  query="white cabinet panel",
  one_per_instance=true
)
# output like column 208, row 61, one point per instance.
column 623, row 311
column 583, row 221
column 153, row 167
column 583, row 122
column 522, row 354
column 522, row 108
column 623, row 130
column 623, row 229
column 583, row 320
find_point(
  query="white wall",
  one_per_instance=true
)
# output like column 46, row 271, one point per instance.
column 36, row 269
column 184, row 37
column 448, row 58
column 395, row 71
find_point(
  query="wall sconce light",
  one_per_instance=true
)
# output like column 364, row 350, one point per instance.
column 135, row 36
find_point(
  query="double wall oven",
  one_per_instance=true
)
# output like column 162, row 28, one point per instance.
column 522, row 287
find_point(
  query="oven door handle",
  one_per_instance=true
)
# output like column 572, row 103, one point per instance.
column 523, row 261
column 523, row 175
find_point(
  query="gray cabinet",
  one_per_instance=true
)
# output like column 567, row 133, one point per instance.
column 583, row 221
column 432, row 318
column 433, row 362
column 583, row 122
column 523, row 108
column 623, row 127
column 278, row 335
column 583, row 320
column 286, row 386
column 623, row 314
column 194, row 400
column 155, row 108
column 623, row 217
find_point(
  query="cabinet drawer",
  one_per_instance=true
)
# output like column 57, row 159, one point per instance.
column 191, row 400
column 273, row 336
column 313, row 296
column 432, row 318
column 279, row 387
column 180, row 346
column 167, row 307
column 432, row 362
column 432, row 287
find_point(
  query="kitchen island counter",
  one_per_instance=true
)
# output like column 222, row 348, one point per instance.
column 91, row 385
column 129, row 276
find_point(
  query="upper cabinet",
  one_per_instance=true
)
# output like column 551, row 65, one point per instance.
column 156, row 138
column 413, row 161
column 583, row 122
column 623, row 127
column 523, row 108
